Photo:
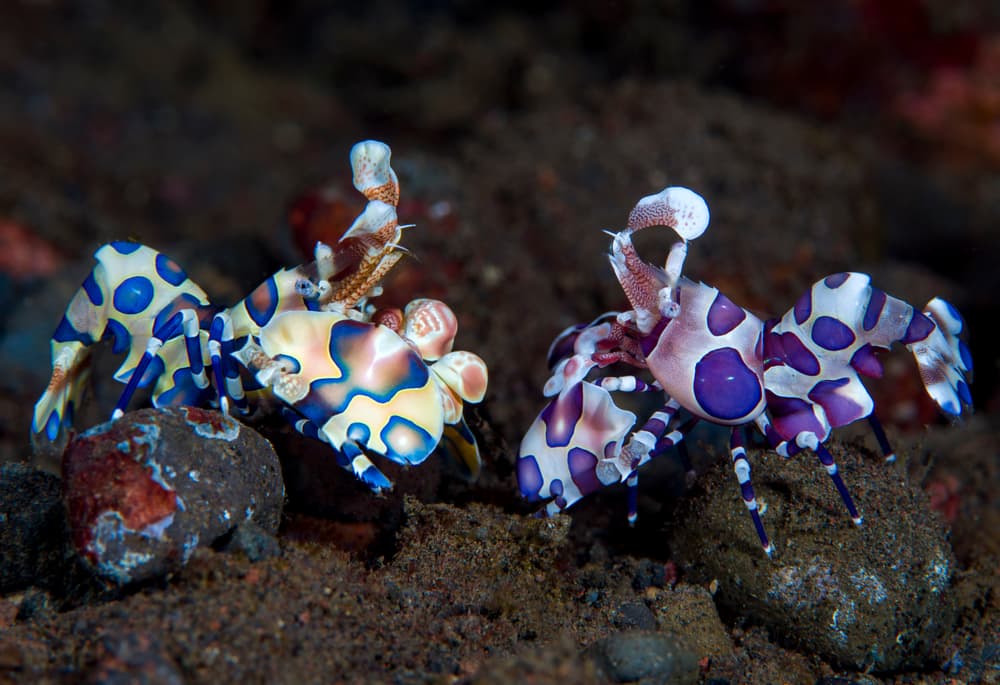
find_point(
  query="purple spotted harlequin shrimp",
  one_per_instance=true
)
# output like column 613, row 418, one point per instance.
column 305, row 341
column 796, row 378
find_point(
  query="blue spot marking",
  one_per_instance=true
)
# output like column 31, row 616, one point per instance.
column 529, row 478
column 359, row 433
column 65, row 332
column 920, row 327
column 556, row 488
column 133, row 295
column 375, row 479
column 964, row 393
column 52, row 426
column 832, row 334
column 262, row 316
column 963, row 351
column 183, row 392
column 422, row 445
column 312, row 305
column 169, row 270
column 93, row 290
column 951, row 408
column 291, row 361
column 954, row 313
column 121, row 338
column 124, row 246
column 874, row 311
column 344, row 336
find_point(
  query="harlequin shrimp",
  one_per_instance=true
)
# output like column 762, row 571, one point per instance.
column 306, row 342
column 795, row 378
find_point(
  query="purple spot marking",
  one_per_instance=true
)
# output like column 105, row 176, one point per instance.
column 803, row 308
column 866, row 362
column 774, row 349
column 582, row 467
column 920, row 327
column 723, row 385
column 835, row 280
column 529, row 477
column 792, row 416
column 840, row 410
column 832, row 334
column 556, row 488
column 874, row 311
column 724, row 316
column 562, row 415
column 798, row 355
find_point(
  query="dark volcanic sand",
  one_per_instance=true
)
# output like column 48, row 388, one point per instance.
column 191, row 128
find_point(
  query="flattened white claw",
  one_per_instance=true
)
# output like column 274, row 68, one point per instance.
column 680, row 208
column 377, row 215
column 373, row 176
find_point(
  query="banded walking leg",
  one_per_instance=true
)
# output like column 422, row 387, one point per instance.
column 810, row 441
column 663, row 443
column 349, row 456
column 883, row 441
column 168, row 330
column 641, row 448
column 224, row 368
column 626, row 384
column 737, row 448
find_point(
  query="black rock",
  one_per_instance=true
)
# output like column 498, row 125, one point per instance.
column 144, row 491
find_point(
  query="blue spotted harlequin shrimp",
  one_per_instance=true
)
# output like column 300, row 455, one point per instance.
column 306, row 342
column 795, row 378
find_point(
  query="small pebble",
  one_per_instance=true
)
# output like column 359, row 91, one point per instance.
column 253, row 541
column 644, row 657
column 635, row 615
